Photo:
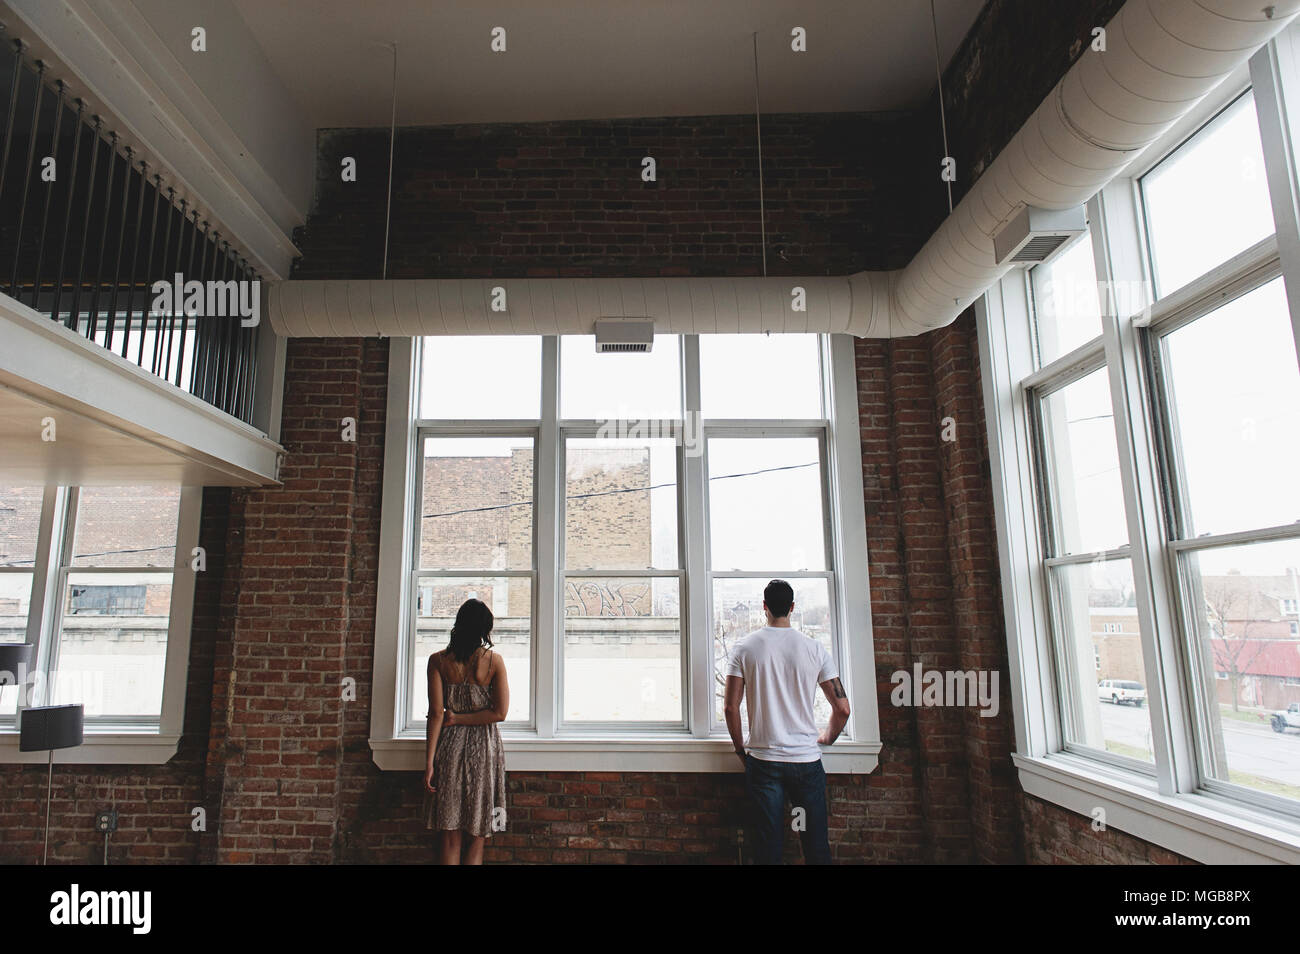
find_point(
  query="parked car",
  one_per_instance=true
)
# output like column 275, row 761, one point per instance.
column 1122, row 691
column 1288, row 718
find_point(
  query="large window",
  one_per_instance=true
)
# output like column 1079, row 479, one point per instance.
column 621, row 514
column 475, row 540
column 1208, row 199
column 622, row 583
column 1144, row 395
column 1229, row 395
column 1089, row 575
column 1225, row 385
column 100, row 581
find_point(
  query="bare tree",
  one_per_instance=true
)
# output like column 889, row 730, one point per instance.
column 1230, row 609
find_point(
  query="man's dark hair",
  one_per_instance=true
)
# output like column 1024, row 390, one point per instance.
column 779, row 597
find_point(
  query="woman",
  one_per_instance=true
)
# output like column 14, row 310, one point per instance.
column 465, row 769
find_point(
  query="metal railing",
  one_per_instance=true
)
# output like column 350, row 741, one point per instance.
column 87, row 228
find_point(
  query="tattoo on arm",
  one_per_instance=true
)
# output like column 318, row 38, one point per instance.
column 839, row 690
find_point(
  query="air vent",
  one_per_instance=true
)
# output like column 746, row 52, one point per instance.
column 1039, row 249
column 1034, row 235
column 624, row 335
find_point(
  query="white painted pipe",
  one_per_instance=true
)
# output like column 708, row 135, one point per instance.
column 1161, row 57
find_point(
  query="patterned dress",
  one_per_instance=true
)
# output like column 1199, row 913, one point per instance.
column 469, row 768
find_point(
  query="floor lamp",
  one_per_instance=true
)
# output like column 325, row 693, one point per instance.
column 44, row 729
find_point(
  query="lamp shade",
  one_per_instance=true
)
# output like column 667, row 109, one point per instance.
column 51, row 727
column 15, row 656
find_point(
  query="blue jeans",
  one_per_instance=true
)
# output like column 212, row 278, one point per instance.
column 767, row 786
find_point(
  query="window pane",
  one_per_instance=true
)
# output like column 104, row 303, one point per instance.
column 1234, row 389
column 20, row 520
column 113, row 642
column 126, row 526
column 436, row 601
column 1083, row 467
column 485, row 376
column 738, row 611
column 15, row 604
column 1244, row 607
column 765, row 504
column 1099, row 651
column 622, row 650
column 1067, row 309
column 476, row 508
column 760, row 376
column 605, row 387
column 1208, row 200
column 612, row 519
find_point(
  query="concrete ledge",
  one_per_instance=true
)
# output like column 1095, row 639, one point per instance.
column 116, row 422
column 119, row 748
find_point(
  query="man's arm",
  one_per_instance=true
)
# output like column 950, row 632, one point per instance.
column 839, row 700
column 731, row 710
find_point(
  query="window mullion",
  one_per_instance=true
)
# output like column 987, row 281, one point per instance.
column 171, row 710
column 849, row 585
column 698, row 586
column 549, row 532
column 60, row 553
column 42, row 610
column 1116, row 216
column 1007, row 354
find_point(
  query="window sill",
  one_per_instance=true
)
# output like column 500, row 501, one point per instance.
column 1203, row 827
column 108, row 748
column 525, row 753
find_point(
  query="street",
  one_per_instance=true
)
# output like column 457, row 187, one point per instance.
column 1253, row 749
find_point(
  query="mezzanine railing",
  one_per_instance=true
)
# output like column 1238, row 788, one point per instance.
column 87, row 228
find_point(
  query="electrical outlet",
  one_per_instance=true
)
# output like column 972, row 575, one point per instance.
column 106, row 820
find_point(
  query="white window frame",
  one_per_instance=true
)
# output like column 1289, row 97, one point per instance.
column 1042, row 384
column 699, row 745
column 1174, row 807
column 121, row 741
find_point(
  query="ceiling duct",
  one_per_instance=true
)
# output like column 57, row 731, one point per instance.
column 1162, row 56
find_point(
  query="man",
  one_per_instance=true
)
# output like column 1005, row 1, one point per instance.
column 778, row 668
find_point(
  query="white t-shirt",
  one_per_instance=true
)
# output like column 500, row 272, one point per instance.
column 782, row 669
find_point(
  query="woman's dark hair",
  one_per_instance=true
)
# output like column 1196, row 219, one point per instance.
column 472, row 629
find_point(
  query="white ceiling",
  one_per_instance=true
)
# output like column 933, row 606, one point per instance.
column 600, row 59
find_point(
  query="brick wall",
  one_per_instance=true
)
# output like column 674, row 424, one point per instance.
column 1012, row 57
column 843, row 192
column 1054, row 836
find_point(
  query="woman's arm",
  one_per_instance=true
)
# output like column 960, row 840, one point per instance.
column 436, row 716
column 500, row 700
